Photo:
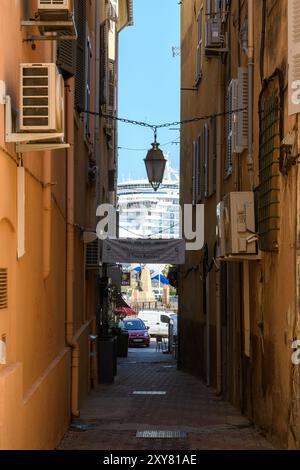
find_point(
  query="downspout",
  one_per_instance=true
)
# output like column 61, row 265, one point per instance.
column 70, row 260
column 218, row 199
column 46, row 214
column 250, row 91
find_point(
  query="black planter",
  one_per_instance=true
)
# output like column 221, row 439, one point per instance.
column 106, row 354
column 122, row 340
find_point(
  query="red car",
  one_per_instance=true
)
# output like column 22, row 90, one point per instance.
column 138, row 332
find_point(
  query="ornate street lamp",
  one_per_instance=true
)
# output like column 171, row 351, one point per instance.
column 155, row 163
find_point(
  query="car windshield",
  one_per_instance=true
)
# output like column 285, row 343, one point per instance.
column 134, row 325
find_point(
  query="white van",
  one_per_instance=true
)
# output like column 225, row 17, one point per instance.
column 157, row 321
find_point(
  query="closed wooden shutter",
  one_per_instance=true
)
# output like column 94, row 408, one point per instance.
column 103, row 63
column 294, row 55
column 66, row 58
column 194, row 172
column 80, row 74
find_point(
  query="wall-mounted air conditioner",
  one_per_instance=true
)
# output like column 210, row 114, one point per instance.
column 237, row 224
column 213, row 33
column 41, row 98
column 55, row 5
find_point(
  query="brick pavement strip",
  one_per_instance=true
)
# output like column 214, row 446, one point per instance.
column 113, row 416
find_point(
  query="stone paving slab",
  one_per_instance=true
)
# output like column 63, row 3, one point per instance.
column 112, row 414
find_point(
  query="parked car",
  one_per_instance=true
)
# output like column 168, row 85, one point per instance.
column 138, row 332
column 157, row 321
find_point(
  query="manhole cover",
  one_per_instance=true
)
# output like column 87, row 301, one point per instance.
column 161, row 434
column 149, row 392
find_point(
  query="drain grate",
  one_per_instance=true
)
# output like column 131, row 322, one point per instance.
column 161, row 434
column 77, row 425
column 149, row 392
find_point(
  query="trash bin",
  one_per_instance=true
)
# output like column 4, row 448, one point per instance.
column 106, row 355
column 123, row 344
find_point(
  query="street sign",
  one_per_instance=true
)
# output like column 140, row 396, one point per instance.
column 136, row 250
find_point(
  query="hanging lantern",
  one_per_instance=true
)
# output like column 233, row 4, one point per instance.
column 155, row 163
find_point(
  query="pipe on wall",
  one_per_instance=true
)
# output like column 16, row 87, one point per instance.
column 250, row 163
column 70, row 240
column 218, row 199
column 46, row 214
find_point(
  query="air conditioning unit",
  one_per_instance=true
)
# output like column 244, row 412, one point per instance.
column 41, row 98
column 46, row 8
column 214, row 37
column 237, row 222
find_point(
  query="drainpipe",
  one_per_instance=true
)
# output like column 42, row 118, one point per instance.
column 218, row 199
column 250, row 91
column 70, row 259
column 46, row 214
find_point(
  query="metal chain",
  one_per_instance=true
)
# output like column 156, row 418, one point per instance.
column 154, row 127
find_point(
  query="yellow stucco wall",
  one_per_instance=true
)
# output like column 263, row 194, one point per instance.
column 260, row 385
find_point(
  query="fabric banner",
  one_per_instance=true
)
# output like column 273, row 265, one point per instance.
column 136, row 250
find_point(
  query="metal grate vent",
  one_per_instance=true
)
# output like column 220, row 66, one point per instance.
column 35, row 91
column 161, row 434
column 92, row 255
column 53, row 3
column 3, row 289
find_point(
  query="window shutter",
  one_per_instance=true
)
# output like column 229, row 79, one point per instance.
column 199, row 46
column 80, row 74
column 294, row 56
column 230, row 131
column 66, row 58
column 242, row 117
column 206, row 160
column 103, row 63
column 195, row 171
column 213, row 154
column 111, row 85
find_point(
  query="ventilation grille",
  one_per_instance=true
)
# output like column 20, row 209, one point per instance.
column 92, row 255
column 53, row 4
column 35, row 96
column 3, row 289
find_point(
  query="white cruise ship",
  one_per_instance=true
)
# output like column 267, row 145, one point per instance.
column 146, row 213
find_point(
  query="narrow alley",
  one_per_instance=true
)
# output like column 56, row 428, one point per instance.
column 114, row 417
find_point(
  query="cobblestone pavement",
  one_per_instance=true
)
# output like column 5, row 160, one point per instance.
column 113, row 414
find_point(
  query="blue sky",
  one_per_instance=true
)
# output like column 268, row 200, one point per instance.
column 149, row 82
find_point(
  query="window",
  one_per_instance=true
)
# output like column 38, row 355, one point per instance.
column 270, row 136
column 199, row 45
column 164, row 319
column 88, row 56
column 201, row 167
column 103, row 62
column 80, row 16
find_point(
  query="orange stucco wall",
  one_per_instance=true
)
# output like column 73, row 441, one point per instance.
column 35, row 382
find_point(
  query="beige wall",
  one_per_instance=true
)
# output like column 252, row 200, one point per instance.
column 262, row 384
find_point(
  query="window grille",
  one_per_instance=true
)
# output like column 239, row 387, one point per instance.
column 270, row 136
